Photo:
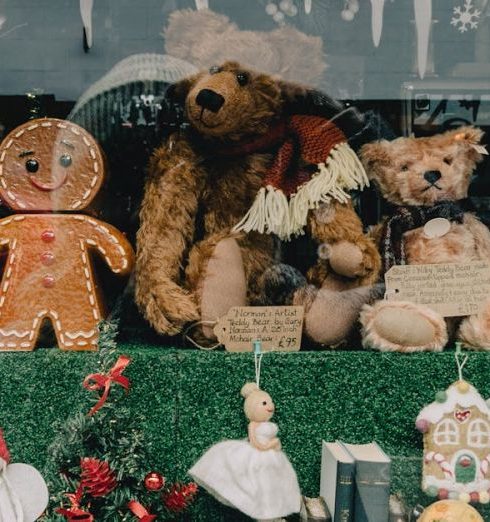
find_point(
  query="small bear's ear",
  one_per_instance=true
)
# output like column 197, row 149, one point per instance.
column 469, row 139
column 374, row 155
column 469, row 135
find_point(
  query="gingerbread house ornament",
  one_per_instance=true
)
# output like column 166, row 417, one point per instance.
column 456, row 430
column 50, row 170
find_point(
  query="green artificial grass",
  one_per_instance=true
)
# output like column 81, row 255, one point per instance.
column 190, row 400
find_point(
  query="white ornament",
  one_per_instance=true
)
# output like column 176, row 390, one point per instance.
column 466, row 16
column 308, row 6
column 278, row 17
column 347, row 15
column 354, row 6
column 271, row 9
column 293, row 11
column 285, row 5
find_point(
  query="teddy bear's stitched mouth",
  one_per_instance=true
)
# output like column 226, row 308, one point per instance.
column 433, row 185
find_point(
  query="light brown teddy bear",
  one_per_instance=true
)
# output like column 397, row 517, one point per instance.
column 216, row 195
column 425, row 178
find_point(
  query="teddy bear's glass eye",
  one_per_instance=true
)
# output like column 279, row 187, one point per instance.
column 404, row 168
column 214, row 69
column 264, row 402
column 242, row 78
column 65, row 160
column 448, row 160
column 32, row 165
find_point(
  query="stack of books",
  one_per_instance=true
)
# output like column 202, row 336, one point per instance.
column 355, row 482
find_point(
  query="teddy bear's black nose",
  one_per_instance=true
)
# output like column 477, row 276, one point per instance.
column 432, row 176
column 210, row 100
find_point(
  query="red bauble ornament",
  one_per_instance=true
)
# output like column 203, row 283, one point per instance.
column 154, row 481
column 96, row 477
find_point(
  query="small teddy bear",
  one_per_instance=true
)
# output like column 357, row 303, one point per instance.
column 248, row 170
column 253, row 475
column 425, row 179
column 49, row 166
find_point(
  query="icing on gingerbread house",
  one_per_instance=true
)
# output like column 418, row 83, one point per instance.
column 456, row 428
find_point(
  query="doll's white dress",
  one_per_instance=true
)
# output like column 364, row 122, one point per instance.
column 261, row 484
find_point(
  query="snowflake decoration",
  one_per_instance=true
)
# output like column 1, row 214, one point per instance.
column 465, row 17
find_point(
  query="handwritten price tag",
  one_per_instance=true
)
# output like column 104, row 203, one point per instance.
column 278, row 327
column 450, row 289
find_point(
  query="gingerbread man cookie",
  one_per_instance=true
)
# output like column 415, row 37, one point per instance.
column 49, row 166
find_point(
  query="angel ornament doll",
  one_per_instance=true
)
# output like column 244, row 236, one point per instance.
column 253, row 475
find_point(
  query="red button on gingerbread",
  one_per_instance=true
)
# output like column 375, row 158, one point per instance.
column 47, row 166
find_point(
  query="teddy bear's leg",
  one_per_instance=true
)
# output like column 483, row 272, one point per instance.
column 474, row 330
column 399, row 326
column 216, row 276
column 330, row 315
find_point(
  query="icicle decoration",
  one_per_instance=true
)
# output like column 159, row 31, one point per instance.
column 423, row 20
column 377, row 7
column 86, row 7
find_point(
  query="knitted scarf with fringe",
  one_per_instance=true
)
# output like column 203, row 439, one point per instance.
column 313, row 163
column 406, row 218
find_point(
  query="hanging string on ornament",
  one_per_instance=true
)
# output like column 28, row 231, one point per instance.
column 460, row 361
column 465, row 17
column 257, row 347
column 351, row 8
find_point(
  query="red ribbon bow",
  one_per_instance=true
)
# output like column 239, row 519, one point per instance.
column 74, row 513
column 99, row 381
column 140, row 511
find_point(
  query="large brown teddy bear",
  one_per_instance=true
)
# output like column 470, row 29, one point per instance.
column 425, row 178
column 218, row 194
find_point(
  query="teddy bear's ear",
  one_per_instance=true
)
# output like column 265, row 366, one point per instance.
column 177, row 92
column 470, row 135
column 373, row 155
column 292, row 92
column 469, row 140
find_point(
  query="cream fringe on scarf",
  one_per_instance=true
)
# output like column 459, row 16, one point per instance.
column 273, row 213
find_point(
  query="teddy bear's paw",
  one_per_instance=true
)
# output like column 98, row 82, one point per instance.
column 474, row 332
column 278, row 283
column 168, row 309
column 332, row 314
column 353, row 260
column 399, row 326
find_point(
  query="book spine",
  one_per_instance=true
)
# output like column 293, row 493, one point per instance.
column 344, row 492
column 372, row 492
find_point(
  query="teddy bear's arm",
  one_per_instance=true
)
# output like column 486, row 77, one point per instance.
column 111, row 243
column 349, row 252
column 481, row 236
column 167, row 225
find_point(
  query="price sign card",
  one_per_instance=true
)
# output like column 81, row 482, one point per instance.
column 278, row 327
column 449, row 289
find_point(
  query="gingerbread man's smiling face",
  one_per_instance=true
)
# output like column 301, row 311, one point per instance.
column 49, row 165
